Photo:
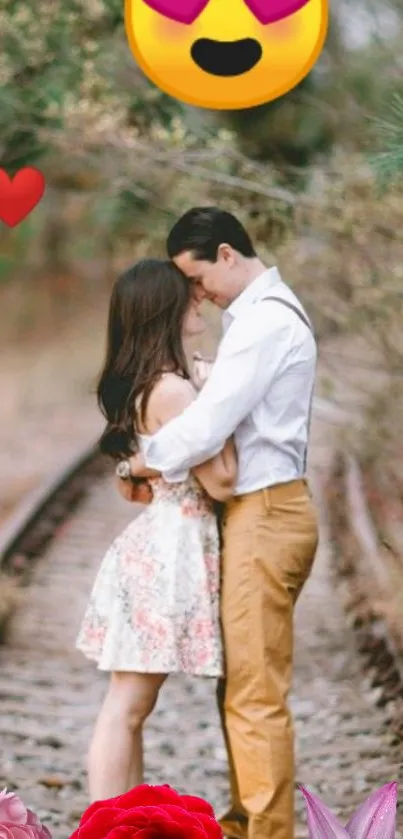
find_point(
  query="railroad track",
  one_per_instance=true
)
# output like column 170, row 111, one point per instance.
column 365, row 586
column 347, row 722
column 35, row 522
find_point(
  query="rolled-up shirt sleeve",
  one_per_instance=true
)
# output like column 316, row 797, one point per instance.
column 249, row 358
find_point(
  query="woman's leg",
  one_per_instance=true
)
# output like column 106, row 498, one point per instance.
column 136, row 764
column 115, row 760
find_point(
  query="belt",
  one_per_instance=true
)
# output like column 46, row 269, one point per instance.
column 275, row 494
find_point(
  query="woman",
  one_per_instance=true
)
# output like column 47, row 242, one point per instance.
column 154, row 608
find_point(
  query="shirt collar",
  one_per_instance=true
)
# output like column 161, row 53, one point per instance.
column 253, row 292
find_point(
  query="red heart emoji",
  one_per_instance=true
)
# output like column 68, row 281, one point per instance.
column 19, row 195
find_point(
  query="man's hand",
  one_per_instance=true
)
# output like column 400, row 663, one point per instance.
column 138, row 493
column 201, row 370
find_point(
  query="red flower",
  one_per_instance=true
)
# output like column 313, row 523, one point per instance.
column 148, row 812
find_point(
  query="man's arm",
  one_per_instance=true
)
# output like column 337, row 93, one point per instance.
column 249, row 358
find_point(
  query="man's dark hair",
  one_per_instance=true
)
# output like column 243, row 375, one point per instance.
column 203, row 229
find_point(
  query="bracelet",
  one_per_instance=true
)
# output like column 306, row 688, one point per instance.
column 123, row 470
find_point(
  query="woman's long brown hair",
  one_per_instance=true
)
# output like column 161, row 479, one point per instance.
column 144, row 339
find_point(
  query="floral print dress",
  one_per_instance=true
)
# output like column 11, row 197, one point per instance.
column 154, row 607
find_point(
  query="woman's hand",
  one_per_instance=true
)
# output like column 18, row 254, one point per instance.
column 137, row 493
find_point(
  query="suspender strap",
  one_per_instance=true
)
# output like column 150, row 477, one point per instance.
column 295, row 309
column 309, row 325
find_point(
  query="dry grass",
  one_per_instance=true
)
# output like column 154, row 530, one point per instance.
column 10, row 599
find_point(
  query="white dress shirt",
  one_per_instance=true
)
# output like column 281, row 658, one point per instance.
column 260, row 388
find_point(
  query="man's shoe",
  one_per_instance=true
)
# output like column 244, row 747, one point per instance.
column 233, row 831
column 234, row 825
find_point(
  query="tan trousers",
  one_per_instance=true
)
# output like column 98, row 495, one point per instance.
column 270, row 539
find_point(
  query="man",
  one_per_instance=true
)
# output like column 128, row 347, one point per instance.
column 260, row 390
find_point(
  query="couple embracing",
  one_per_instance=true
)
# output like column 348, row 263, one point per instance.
column 173, row 594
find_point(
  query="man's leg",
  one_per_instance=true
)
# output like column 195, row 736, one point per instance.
column 270, row 540
column 234, row 822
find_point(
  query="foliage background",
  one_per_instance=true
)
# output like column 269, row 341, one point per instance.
column 316, row 176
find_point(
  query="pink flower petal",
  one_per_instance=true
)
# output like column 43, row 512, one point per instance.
column 12, row 809
column 16, row 831
column 376, row 817
column 41, row 832
column 322, row 824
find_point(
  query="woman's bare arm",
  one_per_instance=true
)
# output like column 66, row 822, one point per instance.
column 139, row 468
